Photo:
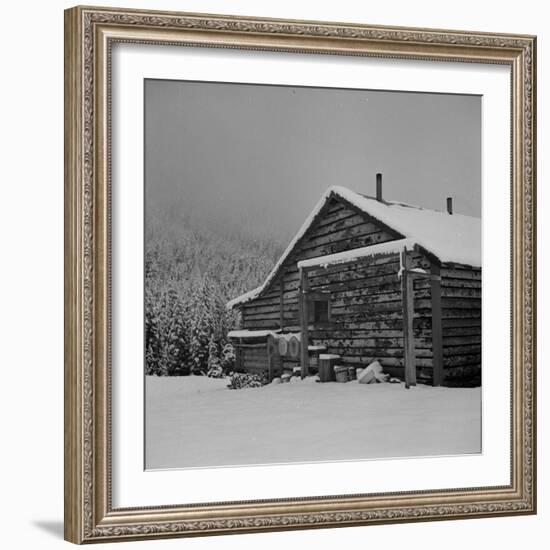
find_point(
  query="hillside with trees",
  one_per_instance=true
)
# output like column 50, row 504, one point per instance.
column 192, row 268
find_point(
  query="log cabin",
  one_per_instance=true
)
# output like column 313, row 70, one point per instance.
column 369, row 279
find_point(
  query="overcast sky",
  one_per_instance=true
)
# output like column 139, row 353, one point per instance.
column 265, row 154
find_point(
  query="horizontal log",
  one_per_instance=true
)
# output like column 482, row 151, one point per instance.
column 460, row 313
column 369, row 334
column 473, row 304
column 460, row 322
column 453, row 292
column 392, row 307
column 249, row 346
column 349, row 319
column 260, row 316
column 462, row 332
column 259, row 324
column 363, row 268
column 372, row 285
column 462, row 340
column 395, row 342
column 287, row 315
column 356, row 298
column 382, row 282
column 262, row 301
column 333, row 206
column 339, row 220
column 255, row 350
column 461, row 351
column 377, row 352
column 362, row 287
column 354, row 270
column 262, row 358
column 342, row 245
column 363, row 361
column 247, row 362
column 462, row 370
column 461, row 283
column 348, row 234
column 328, row 218
column 461, row 360
column 338, row 276
column 253, row 309
column 255, row 363
column 467, row 274
column 449, row 283
column 394, row 322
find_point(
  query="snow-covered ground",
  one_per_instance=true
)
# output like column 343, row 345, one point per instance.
column 194, row 421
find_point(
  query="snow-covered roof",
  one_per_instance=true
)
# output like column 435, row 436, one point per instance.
column 382, row 249
column 450, row 238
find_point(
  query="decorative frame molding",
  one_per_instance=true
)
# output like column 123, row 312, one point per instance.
column 89, row 34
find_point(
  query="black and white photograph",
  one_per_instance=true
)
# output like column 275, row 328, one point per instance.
column 312, row 274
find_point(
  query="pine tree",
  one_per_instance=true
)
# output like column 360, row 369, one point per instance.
column 190, row 274
column 228, row 358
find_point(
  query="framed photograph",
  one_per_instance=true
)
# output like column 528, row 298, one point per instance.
column 300, row 274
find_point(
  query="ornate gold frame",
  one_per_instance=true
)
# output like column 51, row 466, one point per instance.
column 89, row 34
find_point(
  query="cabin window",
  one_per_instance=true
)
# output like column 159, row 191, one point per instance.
column 319, row 311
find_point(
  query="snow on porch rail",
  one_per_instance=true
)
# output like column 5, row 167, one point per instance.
column 244, row 333
column 383, row 249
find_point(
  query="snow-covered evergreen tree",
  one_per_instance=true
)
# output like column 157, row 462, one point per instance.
column 190, row 274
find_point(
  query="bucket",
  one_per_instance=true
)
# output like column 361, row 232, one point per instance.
column 282, row 344
column 294, row 347
column 341, row 374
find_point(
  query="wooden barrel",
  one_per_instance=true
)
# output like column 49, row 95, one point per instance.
column 326, row 366
column 282, row 344
column 294, row 347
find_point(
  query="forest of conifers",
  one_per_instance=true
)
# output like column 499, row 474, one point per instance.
column 191, row 271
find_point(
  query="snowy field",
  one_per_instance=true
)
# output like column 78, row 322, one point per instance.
column 194, row 421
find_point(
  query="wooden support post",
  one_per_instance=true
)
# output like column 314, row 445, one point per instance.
column 282, row 304
column 239, row 357
column 407, row 297
column 437, row 329
column 304, row 317
column 269, row 358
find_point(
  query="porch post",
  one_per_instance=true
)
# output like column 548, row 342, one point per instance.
column 407, row 299
column 282, row 304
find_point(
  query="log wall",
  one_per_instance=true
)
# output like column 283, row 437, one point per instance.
column 252, row 356
column 461, row 320
column 366, row 315
column 338, row 227
column 366, row 310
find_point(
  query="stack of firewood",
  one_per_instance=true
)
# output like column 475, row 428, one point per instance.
column 240, row 380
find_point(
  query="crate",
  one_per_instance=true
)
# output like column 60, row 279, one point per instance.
column 341, row 373
column 314, row 353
